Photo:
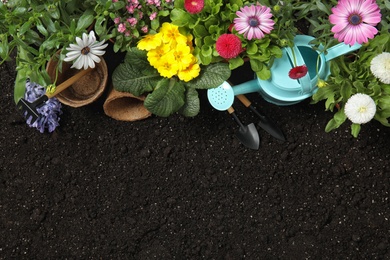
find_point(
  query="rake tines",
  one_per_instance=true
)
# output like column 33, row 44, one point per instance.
column 29, row 109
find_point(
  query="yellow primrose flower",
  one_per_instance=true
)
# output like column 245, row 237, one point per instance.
column 189, row 41
column 189, row 73
column 171, row 33
column 155, row 55
column 167, row 66
column 183, row 55
column 149, row 42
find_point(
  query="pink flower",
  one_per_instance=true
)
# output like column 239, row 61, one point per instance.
column 130, row 9
column 153, row 16
column 298, row 72
column 121, row 28
column 194, row 6
column 117, row 20
column 132, row 21
column 228, row 46
column 254, row 21
column 145, row 29
column 355, row 20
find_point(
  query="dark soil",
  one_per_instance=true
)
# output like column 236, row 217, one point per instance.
column 185, row 188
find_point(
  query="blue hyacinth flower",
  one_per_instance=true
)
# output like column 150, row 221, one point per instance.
column 49, row 111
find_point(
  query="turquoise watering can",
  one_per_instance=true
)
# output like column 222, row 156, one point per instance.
column 280, row 89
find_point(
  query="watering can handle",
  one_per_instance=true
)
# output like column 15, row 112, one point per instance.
column 339, row 50
column 305, row 81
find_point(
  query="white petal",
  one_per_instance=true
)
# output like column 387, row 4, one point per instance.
column 97, row 52
column 78, row 63
column 72, row 55
column 74, row 47
column 85, row 40
column 91, row 38
column 80, row 42
column 91, row 63
column 94, row 57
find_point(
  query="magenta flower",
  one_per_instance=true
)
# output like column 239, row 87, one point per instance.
column 228, row 46
column 194, row 6
column 298, row 72
column 355, row 20
column 254, row 21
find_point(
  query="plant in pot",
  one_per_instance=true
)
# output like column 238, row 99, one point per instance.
column 358, row 87
column 37, row 32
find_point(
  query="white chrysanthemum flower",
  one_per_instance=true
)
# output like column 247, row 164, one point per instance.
column 86, row 52
column 360, row 108
column 380, row 67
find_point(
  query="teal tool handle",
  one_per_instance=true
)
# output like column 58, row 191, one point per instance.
column 247, row 87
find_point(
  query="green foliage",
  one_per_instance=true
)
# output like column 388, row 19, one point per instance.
column 165, row 96
column 351, row 75
column 215, row 20
column 38, row 29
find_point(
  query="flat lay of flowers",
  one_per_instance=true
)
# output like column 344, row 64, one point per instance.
column 169, row 51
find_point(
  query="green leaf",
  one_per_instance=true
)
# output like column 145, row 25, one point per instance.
column 200, row 31
column 42, row 29
column 85, row 20
column 384, row 102
column 25, row 27
column 130, row 78
column 192, row 105
column 355, row 129
column 323, row 93
column 211, row 76
column 100, row 25
column 135, row 75
column 235, row 63
column 264, row 73
column 346, row 91
column 166, row 99
column 252, row 48
column 181, row 18
column 336, row 121
column 48, row 23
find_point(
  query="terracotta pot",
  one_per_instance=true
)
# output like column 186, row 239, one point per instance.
column 86, row 90
column 124, row 106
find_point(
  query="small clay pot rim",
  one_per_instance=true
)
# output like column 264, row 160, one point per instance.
column 70, row 96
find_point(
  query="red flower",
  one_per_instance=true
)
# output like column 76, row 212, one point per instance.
column 298, row 72
column 194, row 6
column 228, row 46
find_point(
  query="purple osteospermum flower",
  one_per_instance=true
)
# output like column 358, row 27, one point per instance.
column 49, row 111
column 254, row 21
column 355, row 20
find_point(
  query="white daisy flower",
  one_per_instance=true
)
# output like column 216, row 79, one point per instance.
column 380, row 67
column 360, row 108
column 86, row 52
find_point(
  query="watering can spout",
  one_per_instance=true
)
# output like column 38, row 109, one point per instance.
column 247, row 87
column 340, row 49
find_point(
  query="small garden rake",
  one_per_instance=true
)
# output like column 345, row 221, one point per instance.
column 30, row 108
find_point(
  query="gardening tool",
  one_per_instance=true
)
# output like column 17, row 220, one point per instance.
column 265, row 122
column 247, row 135
column 30, row 108
column 222, row 98
column 280, row 89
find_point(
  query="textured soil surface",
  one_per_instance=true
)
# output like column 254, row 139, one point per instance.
column 185, row 188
